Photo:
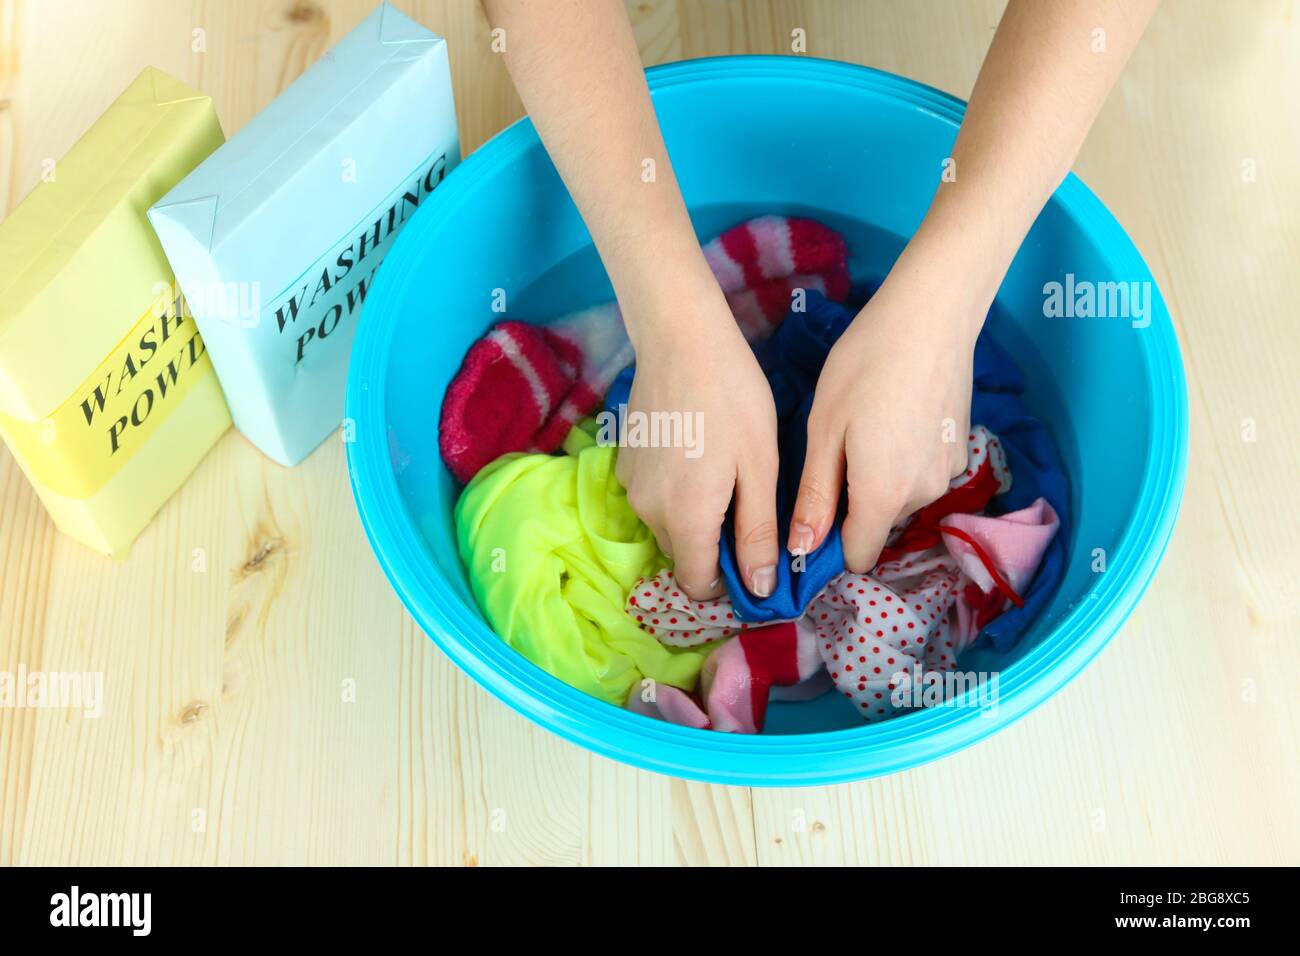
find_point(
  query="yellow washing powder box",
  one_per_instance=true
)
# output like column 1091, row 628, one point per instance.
column 107, row 396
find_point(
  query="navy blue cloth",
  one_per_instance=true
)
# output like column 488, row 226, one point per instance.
column 792, row 359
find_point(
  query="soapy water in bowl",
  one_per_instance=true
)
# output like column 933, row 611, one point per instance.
column 579, row 281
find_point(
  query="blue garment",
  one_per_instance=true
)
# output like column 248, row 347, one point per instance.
column 792, row 359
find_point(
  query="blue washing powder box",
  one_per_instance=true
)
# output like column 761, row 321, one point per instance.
column 276, row 237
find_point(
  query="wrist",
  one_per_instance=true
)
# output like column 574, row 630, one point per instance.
column 977, row 224
column 676, row 307
column 943, row 284
column 960, row 252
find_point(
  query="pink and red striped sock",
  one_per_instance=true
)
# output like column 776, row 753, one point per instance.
column 522, row 387
column 739, row 679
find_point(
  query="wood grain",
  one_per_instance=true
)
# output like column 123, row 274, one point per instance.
column 269, row 701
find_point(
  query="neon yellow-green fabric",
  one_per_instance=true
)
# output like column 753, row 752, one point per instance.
column 552, row 549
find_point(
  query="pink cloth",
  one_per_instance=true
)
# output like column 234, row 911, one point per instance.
column 913, row 616
column 665, row 702
column 1014, row 543
column 738, row 679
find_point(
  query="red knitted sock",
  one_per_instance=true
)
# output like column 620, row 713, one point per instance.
column 519, row 389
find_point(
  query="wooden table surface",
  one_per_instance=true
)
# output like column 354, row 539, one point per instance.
column 268, row 700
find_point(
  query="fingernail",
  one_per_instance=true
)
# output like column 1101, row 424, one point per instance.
column 763, row 581
column 801, row 539
column 716, row 582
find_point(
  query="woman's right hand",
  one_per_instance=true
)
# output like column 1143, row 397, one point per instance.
column 710, row 376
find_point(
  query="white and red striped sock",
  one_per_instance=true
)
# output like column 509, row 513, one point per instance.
column 522, row 387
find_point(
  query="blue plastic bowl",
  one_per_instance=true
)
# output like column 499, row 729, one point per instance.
column 860, row 150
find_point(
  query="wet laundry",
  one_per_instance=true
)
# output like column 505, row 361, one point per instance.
column 552, row 548
column 878, row 637
column 739, row 679
column 567, row 574
column 792, row 359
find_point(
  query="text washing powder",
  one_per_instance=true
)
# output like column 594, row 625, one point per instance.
column 276, row 237
column 108, row 399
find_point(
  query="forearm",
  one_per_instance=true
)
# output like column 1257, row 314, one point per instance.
column 1040, row 89
column 578, row 72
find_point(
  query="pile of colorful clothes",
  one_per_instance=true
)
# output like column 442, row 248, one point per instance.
column 567, row 574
